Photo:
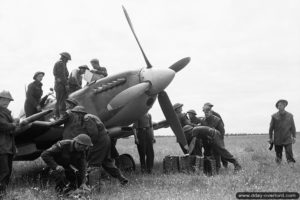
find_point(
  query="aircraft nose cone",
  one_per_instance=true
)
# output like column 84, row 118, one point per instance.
column 159, row 78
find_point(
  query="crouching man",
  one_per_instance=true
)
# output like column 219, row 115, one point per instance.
column 212, row 137
column 67, row 159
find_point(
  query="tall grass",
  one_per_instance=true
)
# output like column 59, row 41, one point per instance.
column 259, row 174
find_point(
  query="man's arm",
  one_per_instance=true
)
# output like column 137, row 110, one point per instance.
column 271, row 129
column 48, row 155
column 293, row 127
column 6, row 126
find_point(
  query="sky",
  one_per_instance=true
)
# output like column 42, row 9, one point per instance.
column 245, row 55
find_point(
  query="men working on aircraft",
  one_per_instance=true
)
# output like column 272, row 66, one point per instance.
column 75, row 78
column 145, row 137
column 77, row 121
column 67, row 159
column 183, row 119
column 100, row 153
column 33, row 102
column 282, row 132
column 8, row 128
column 61, row 86
column 213, row 138
column 215, row 122
column 98, row 70
column 198, row 142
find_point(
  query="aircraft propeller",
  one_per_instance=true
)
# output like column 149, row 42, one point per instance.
column 163, row 98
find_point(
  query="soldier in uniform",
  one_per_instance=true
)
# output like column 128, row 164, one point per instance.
column 34, row 102
column 61, row 86
column 8, row 128
column 212, row 137
column 75, row 78
column 198, row 142
column 145, row 137
column 208, row 106
column 77, row 121
column 215, row 122
column 193, row 118
column 282, row 132
column 100, row 153
column 67, row 159
column 100, row 71
column 184, row 120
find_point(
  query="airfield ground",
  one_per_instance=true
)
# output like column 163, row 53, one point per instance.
column 259, row 174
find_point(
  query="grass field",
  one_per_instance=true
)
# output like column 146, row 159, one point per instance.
column 259, row 174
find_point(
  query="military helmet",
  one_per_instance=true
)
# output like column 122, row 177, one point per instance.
column 38, row 73
column 95, row 60
column 72, row 101
column 84, row 67
column 187, row 128
column 282, row 101
column 6, row 94
column 79, row 109
column 83, row 139
column 66, row 55
column 177, row 105
column 192, row 111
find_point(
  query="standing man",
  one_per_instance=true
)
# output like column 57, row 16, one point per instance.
column 8, row 128
column 213, row 137
column 75, row 78
column 98, row 70
column 34, row 102
column 145, row 137
column 67, row 159
column 61, row 86
column 282, row 132
column 208, row 106
column 215, row 122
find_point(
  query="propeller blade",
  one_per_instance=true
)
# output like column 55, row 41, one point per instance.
column 172, row 118
column 179, row 65
column 127, row 95
column 132, row 30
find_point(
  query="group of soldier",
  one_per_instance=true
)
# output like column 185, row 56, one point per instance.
column 86, row 144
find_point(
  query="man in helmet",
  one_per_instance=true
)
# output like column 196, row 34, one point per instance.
column 8, row 128
column 77, row 121
column 99, row 71
column 75, row 78
column 282, row 132
column 193, row 118
column 61, row 86
column 34, row 102
column 215, row 122
column 67, row 159
column 183, row 119
column 100, row 153
column 213, row 138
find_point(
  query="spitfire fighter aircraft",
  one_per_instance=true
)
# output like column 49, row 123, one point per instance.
column 118, row 100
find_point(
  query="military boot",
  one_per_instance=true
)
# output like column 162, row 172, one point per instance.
column 122, row 180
